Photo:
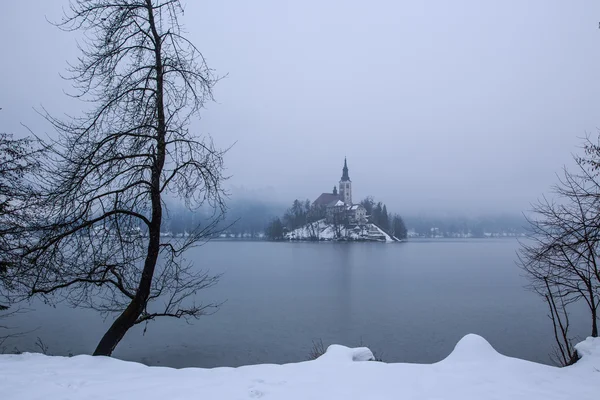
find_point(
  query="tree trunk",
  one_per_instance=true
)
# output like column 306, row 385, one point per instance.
column 594, row 322
column 127, row 319
column 593, row 305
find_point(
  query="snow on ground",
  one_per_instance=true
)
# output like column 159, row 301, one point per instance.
column 474, row 370
column 589, row 351
column 388, row 238
column 320, row 230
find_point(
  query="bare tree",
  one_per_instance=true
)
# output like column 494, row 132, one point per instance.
column 7, row 332
column 561, row 256
column 18, row 159
column 314, row 216
column 99, row 242
column 339, row 220
column 564, row 353
column 317, row 349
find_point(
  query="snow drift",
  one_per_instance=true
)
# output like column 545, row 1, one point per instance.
column 474, row 370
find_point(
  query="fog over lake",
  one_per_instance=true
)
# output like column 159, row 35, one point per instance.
column 462, row 106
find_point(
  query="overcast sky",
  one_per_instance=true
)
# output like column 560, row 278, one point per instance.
column 466, row 106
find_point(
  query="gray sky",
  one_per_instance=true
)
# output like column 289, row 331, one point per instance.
column 468, row 106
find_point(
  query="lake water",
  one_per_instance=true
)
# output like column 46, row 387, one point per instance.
column 409, row 302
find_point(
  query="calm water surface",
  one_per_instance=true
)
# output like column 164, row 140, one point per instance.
column 409, row 302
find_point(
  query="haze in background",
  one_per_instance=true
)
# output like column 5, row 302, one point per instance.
column 461, row 106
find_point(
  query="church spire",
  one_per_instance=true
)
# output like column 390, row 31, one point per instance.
column 345, row 176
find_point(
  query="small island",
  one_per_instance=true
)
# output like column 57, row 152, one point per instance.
column 334, row 217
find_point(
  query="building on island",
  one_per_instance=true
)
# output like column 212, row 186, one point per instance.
column 357, row 214
column 338, row 207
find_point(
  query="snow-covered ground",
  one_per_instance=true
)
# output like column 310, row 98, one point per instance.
column 320, row 230
column 474, row 370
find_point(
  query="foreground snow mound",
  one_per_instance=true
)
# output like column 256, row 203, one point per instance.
column 589, row 351
column 338, row 354
column 473, row 348
column 474, row 370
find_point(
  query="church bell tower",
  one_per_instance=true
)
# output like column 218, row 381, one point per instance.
column 345, row 185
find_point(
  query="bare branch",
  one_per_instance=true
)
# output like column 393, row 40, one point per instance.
column 97, row 241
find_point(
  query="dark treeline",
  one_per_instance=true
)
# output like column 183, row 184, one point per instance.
column 390, row 223
column 501, row 225
column 244, row 218
column 253, row 218
column 248, row 218
column 301, row 213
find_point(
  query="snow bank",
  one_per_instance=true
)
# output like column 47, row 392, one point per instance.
column 472, row 348
column 339, row 354
column 474, row 370
column 589, row 351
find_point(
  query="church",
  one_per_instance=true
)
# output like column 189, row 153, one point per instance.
column 338, row 205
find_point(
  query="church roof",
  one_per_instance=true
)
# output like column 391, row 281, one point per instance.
column 326, row 198
column 345, row 176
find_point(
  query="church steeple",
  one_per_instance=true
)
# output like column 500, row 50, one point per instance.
column 335, row 190
column 345, row 185
column 345, row 176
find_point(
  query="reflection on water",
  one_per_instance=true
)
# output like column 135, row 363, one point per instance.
column 409, row 302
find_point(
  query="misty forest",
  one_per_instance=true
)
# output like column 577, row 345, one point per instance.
column 346, row 199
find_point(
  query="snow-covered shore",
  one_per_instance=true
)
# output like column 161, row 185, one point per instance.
column 322, row 231
column 474, row 370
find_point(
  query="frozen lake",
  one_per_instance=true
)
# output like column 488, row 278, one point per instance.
column 408, row 302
